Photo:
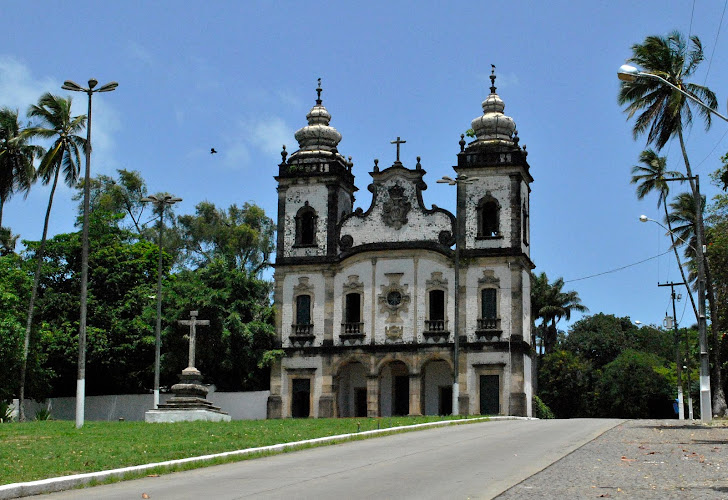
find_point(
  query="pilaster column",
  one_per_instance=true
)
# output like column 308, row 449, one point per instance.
column 372, row 396
column 415, row 384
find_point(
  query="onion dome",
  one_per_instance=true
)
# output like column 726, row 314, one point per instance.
column 493, row 127
column 318, row 135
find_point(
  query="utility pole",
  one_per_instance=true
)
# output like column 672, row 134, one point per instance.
column 678, row 360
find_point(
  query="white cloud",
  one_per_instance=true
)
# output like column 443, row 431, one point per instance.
column 265, row 135
column 19, row 88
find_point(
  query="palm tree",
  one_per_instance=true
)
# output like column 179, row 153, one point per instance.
column 56, row 123
column 551, row 303
column 664, row 111
column 650, row 176
column 16, row 158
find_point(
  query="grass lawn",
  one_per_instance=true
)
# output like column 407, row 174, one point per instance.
column 40, row 450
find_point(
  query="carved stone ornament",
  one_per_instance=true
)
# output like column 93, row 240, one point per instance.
column 395, row 210
column 353, row 285
column 436, row 281
column 393, row 333
column 303, row 286
column 394, row 298
column 489, row 278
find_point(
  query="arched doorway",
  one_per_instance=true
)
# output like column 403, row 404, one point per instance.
column 394, row 390
column 437, row 388
column 352, row 390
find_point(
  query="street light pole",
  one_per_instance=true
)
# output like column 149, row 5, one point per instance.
column 458, row 181
column 81, row 379
column 160, row 203
column 706, row 411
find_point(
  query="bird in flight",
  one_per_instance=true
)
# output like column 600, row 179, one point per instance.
column 212, row 151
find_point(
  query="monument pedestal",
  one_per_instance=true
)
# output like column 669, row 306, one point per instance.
column 188, row 403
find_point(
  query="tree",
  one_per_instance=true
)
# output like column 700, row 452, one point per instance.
column 118, row 196
column 636, row 385
column 664, row 112
column 16, row 158
column 566, row 384
column 551, row 303
column 56, row 123
column 243, row 237
column 652, row 175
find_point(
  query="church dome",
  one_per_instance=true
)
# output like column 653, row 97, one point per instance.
column 493, row 126
column 318, row 135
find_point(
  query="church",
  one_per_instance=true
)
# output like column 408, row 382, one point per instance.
column 401, row 309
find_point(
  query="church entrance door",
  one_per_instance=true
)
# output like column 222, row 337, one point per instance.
column 301, row 400
column 401, row 395
column 489, row 394
column 360, row 402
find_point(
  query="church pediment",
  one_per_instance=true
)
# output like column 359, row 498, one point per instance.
column 397, row 214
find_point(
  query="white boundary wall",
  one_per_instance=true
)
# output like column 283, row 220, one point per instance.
column 240, row 406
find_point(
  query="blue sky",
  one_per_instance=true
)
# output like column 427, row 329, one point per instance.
column 240, row 77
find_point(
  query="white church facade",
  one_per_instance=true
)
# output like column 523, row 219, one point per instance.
column 365, row 299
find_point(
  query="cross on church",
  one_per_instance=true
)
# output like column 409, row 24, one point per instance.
column 397, row 142
column 192, row 323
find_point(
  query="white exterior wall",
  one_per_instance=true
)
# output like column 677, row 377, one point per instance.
column 528, row 386
column 503, row 298
column 288, row 312
column 499, row 188
column 526, row 306
column 525, row 199
column 296, row 197
column 425, row 269
column 362, row 269
column 420, row 225
column 405, row 266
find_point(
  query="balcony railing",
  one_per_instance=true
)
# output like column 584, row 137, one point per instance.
column 302, row 329
column 355, row 327
column 435, row 325
column 352, row 333
column 488, row 324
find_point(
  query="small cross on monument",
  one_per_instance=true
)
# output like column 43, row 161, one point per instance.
column 398, row 142
column 192, row 323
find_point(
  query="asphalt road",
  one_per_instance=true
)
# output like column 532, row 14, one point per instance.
column 466, row 461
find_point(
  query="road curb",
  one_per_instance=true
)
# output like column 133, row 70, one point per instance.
column 18, row 490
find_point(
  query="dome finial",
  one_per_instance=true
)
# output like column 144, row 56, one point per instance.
column 492, row 79
column 318, row 92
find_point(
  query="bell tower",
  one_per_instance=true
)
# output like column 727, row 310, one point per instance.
column 315, row 190
column 495, row 205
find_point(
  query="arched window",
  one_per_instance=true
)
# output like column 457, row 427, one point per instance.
column 488, row 320
column 352, row 313
column 488, row 217
column 306, row 226
column 435, row 311
column 303, row 310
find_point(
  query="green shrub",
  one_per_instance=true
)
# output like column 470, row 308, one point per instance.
column 541, row 410
column 43, row 414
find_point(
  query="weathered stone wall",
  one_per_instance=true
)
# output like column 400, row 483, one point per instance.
column 296, row 197
column 372, row 227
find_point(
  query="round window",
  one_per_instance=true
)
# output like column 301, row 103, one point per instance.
column 394, row 298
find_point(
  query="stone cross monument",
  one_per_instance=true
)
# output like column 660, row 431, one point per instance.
column 189, row 401
column 192, row 323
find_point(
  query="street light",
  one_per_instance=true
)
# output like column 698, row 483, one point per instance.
column 458, row 181
column 629, row 73
column 160, row 203
column 81, row 380
column 706, row 410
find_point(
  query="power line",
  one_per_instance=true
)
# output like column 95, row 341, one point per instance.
column 715, row 44
column 619, row 268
